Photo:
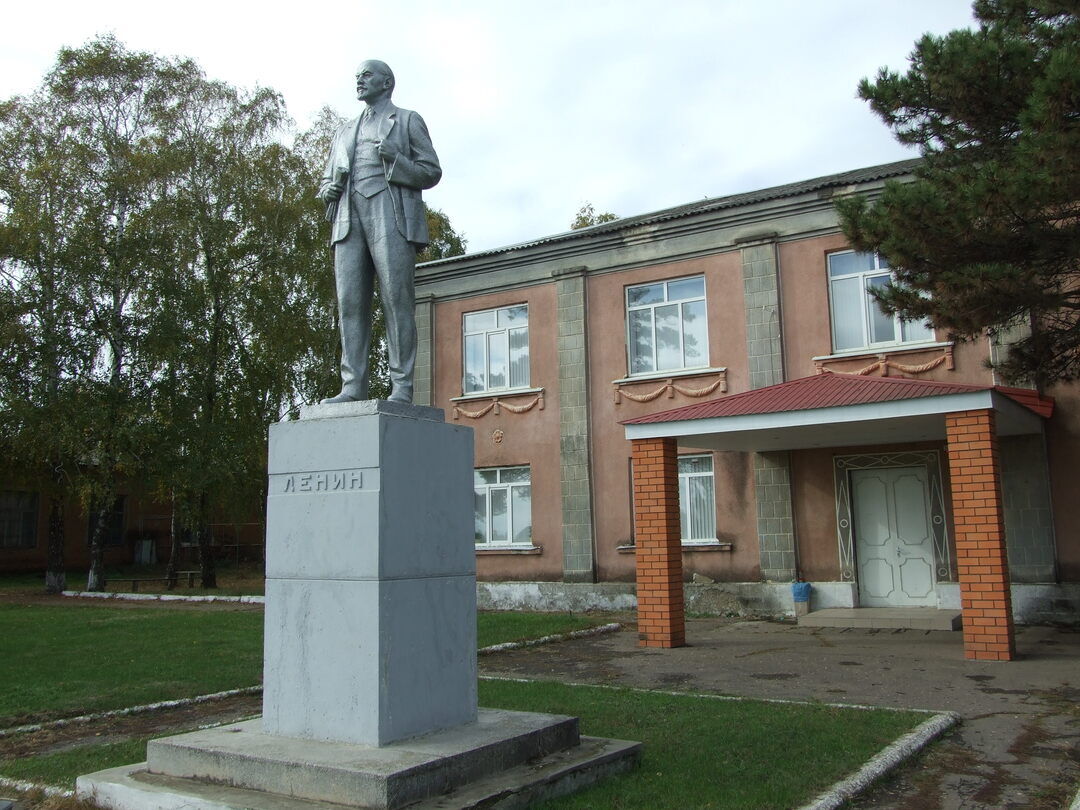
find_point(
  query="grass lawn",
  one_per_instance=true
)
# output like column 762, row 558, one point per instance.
column 66, row 660
column 699, row 752
column 63, row 660
column 29, row 583
column 705, row 753
column 62, row 768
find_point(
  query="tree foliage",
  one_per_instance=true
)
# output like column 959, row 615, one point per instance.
column 166, row 286
column 987, row 235
column 445, row 241
column 587, row 216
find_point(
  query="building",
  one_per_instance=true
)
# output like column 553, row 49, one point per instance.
column 138, row 531
column 690, row 324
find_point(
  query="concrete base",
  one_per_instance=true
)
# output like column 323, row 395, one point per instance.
column 1033, row 603
column 505, row 759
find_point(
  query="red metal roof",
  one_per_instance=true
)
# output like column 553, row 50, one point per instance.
column 830, row 390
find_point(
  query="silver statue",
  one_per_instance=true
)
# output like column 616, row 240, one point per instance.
column 379, row 163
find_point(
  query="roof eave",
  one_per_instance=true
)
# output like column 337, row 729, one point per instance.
column 899, row 421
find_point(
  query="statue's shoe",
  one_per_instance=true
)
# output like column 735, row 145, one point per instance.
column 342, row 397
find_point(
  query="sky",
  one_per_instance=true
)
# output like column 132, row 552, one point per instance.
column 539, row 107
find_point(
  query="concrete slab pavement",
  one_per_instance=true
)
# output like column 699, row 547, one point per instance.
column 1019, row 744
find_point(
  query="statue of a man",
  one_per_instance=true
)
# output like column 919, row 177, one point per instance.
column 379, row 163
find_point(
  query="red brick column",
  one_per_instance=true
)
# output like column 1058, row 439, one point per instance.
column 661, row 622
column 975, row 483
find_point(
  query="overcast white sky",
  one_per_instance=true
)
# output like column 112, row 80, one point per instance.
column 538, row 107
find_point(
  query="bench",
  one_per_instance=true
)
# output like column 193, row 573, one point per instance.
column 189, row 576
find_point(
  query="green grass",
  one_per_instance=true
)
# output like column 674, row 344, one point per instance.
column 704, row 753
column 70, row 659
column 63, row 660
column 63, row 767
column 497, row 627
column 699, row 752
column 22, row 582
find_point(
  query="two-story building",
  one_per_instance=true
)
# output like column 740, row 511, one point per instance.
column 811, row 427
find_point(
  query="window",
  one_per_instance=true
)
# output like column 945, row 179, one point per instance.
column 18, row 519
column 697, row 499
column 113, row 535
column 857, row 320
column 503, row 506
column 665, row 324
column 496, row 349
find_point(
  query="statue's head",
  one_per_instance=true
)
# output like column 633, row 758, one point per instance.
column 374, row 80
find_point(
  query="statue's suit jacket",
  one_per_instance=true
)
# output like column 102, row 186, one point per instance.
column 415, row 168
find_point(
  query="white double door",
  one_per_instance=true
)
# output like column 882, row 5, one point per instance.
column 894, row 544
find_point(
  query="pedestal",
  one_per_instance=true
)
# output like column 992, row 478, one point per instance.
column 370, row 575
column 369, row 678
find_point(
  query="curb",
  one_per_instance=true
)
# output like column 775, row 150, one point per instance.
column 26, row 787
column 886, row 760
column 163, row 597
column 146, row 707
column 532, row 642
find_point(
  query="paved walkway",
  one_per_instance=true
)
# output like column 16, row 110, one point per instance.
column 1019, row 744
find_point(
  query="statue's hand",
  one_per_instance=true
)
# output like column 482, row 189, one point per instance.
column 387, row 150
column 331, row 192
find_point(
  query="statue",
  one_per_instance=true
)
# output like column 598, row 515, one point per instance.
column 379, row 164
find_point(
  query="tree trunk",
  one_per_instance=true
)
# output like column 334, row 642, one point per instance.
column 95, row 580
column 207, row 569
column 55, row 575
column 174, row 548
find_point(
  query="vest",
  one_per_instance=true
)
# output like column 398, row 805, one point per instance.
column 368, row 176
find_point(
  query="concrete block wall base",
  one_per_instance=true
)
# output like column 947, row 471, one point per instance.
column 505, row 759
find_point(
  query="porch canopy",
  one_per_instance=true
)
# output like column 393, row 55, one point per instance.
column 841, row 410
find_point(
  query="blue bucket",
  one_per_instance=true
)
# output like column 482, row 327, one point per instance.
column 800, row 591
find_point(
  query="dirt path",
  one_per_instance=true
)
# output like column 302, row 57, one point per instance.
column 132, row 726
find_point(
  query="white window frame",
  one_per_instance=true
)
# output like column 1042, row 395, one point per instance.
column 508, row 488
column 685, row 498
column 923, row 333
column 487, row 335
column 651, row 308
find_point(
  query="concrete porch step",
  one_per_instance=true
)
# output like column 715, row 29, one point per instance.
column 919, row 618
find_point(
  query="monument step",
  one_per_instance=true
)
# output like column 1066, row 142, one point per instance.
column 559, row 773
column 389, row 776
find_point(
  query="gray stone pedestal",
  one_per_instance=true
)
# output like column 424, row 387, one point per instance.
column 370, row 575
column 369, row 695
